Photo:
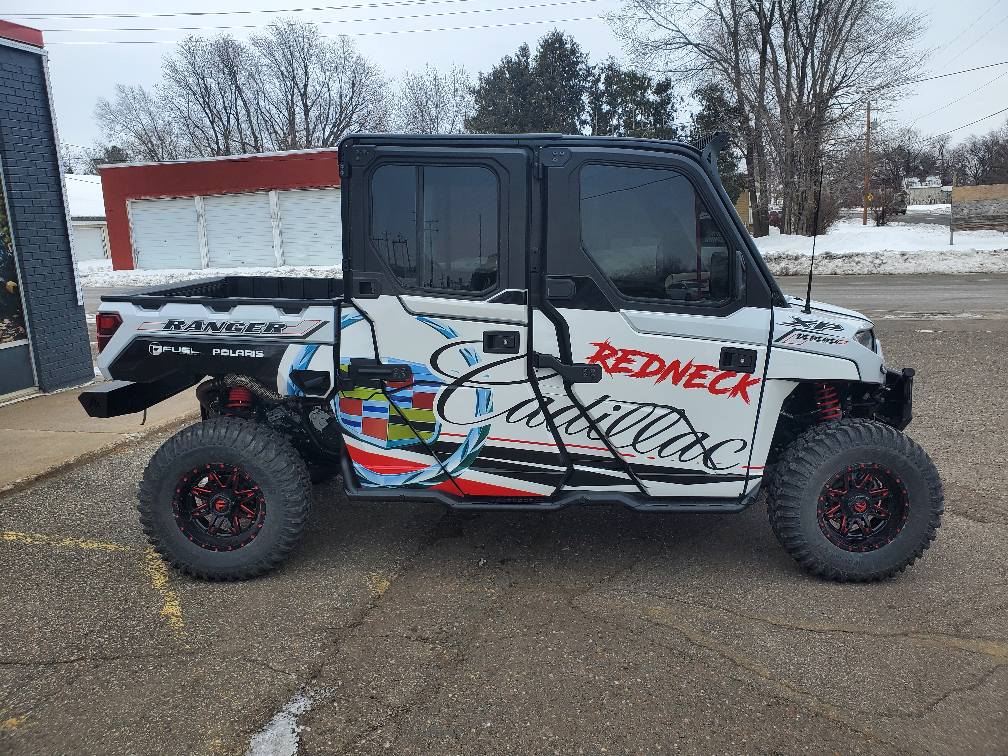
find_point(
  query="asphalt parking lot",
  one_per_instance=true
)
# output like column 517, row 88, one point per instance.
column 405, row 629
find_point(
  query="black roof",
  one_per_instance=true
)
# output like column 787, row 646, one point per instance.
column 521, row 140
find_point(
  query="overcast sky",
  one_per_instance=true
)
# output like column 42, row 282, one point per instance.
column 961, row 35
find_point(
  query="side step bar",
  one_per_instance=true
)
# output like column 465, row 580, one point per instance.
column 634, row 501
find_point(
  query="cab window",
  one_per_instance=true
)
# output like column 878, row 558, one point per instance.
column 437, row 226
column 652, row 236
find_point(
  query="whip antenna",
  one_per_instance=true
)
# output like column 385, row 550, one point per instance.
column 815, row 233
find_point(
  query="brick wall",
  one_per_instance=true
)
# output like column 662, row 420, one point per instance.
column 56, row 322
column 976, row 207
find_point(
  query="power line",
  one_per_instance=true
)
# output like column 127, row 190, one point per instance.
column 305, row 9
column 380, row 33
column 975, row 40
column 971, row 123
column 954, row 73
column 383, row 19
column 960, row 99
column 954, row 39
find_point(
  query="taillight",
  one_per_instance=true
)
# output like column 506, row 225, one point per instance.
column 106, row 324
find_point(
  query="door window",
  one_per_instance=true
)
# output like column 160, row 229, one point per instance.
column 652, row 236
column 436, row 227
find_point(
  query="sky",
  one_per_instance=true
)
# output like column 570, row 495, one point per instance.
column 959, row 35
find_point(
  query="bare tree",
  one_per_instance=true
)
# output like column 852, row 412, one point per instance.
column 982, row 159
column 288, row 88
column 799, row 72
column 431, row 102
column 315, row 90
column 138, row 121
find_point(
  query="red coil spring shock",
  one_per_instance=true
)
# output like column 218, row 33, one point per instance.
column 828, row 403
column 238, row 398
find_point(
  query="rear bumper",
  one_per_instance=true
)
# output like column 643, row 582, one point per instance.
column 115, row 398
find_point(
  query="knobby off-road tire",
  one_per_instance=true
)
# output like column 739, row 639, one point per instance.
column 835, row 472
column 222, row 466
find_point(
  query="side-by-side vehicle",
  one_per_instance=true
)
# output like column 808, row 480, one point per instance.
column 524, row 322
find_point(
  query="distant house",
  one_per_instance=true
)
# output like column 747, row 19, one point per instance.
column 87, row 216
column 926, row 192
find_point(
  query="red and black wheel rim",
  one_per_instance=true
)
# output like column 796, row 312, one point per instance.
column 219, row 506
column 863, row 507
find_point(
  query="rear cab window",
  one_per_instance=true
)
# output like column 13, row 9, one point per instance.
column 437, row 226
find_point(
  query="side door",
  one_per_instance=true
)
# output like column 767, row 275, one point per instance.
column 648, row 278
column 434, row 342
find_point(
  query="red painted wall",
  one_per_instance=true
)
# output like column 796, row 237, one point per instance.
column 205, row 177
column 18, row 33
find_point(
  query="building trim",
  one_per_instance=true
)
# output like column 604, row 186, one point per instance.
column 22, row 37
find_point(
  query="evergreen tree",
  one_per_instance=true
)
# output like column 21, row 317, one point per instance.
column 624, row 102
column 526, row 93
column 717, row 113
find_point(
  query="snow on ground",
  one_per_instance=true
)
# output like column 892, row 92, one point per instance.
column 850, row 248
column 939, row 209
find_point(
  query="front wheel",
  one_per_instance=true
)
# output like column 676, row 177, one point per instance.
column 225, row 499
column 855, row 501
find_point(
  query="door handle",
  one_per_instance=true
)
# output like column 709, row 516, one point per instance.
column 579, row 372
column 366, row 371
column 501, row 342
column 738, row 360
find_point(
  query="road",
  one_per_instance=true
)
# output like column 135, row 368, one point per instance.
column 405, row 629
column 926, row 297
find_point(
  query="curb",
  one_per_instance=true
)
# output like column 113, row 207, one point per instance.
column 90, row 456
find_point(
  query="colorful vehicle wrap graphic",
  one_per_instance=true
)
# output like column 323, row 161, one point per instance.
column 403, row 416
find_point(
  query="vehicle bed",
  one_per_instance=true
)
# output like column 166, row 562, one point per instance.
column 229, row 291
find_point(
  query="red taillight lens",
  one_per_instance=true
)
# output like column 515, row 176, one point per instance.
column 106, row 324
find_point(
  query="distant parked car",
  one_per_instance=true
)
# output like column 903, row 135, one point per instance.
column 899, row 204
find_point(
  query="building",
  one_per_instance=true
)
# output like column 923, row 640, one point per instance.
column 87, row 216
column 43, row 333
column 926, row 192
column 240, row 211
column 980, row 207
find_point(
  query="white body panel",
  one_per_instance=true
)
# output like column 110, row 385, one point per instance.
column 683, row 424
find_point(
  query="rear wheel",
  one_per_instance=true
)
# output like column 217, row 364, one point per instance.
column 225, row 499
column 855, row 500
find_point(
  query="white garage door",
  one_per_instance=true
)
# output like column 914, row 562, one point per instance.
column 239, row 230
column 310, row 226
column 89, row 242
column 164, row 233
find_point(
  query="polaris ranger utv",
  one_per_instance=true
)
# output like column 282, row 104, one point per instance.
column 525, row 322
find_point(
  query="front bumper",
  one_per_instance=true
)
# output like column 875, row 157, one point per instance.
column 895, row 405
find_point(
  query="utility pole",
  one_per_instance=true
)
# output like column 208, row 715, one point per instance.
column 867, row 166
column 951, row 218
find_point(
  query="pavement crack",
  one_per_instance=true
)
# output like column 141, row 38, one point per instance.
column 103, row 659
column 996, row 648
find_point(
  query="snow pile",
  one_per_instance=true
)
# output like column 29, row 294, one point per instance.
column 99, row 274
column 850, row 248
column 938, row 209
